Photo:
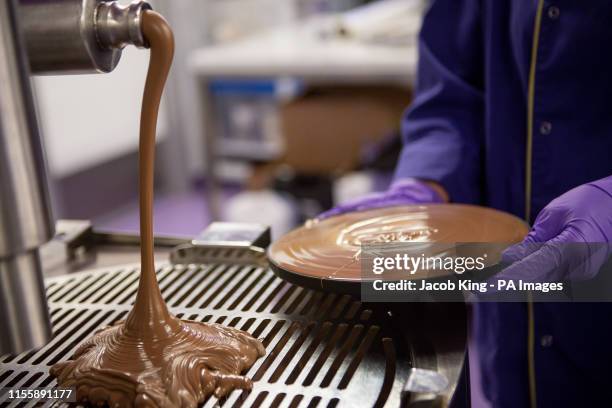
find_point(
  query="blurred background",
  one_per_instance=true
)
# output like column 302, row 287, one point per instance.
column 275, row 110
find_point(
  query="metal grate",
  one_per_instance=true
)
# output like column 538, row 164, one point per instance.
column 323, row 350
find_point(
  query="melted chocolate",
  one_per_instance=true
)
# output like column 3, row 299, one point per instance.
column 330, row 249
column 153, row 358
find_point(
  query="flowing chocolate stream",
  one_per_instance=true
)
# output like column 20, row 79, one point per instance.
column 154, row 359
column 150, row 314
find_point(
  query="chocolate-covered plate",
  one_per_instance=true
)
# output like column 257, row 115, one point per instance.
column 325, row 255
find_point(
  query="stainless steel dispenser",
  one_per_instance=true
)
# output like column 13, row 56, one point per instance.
column 48, row 36
column 66, row 36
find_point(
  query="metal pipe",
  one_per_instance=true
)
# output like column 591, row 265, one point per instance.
column 23, row 311
column 72, row 36
column 25, row 219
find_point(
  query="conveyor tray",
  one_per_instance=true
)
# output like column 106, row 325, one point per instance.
column 323, row 349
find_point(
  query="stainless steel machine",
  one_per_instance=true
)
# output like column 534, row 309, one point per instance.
column 41, row 36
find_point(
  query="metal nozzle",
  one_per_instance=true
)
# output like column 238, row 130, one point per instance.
column 64, row 36
column 118, row 26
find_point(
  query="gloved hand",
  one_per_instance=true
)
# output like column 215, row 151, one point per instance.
column 570, row 240
column 402, row 192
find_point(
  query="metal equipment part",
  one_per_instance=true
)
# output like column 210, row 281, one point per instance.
column 64, row 36
column 248, row 240
column 24, row 315
column 25, row 220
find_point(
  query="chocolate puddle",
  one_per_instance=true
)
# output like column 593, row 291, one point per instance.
column 153, row 358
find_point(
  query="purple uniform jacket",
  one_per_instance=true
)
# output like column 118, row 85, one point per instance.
column 512, row 109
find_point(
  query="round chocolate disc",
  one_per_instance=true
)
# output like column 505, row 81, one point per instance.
column 326, row 254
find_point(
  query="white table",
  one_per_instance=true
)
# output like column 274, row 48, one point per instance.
column 297, row 53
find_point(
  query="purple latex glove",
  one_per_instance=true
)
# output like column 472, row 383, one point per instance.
column 401, row 192
column 570, row 240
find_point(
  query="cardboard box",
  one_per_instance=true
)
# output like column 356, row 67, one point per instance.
column 326, row 130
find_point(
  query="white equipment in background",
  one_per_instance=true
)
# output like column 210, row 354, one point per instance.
column 263, row 207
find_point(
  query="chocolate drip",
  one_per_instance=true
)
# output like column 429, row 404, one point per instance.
column 150, row 314
column 153, row 358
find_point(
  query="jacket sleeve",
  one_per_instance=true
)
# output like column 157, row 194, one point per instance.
column 443, row 131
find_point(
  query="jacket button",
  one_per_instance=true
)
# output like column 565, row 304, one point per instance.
column 545, row 128
column 546, row 340
column 553, row 12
